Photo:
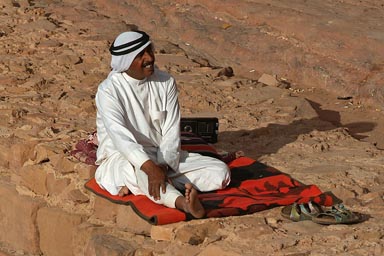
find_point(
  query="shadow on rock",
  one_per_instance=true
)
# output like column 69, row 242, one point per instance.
column 334, row 117
column 268, row 140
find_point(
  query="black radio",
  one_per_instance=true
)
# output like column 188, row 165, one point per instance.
column 205, row 127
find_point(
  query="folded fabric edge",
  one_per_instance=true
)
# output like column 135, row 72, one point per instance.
column 153, row 219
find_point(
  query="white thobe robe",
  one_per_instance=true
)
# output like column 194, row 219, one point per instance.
column 138, row 120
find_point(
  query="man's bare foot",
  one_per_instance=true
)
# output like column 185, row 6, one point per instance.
column 124, row 191
column 190, row 203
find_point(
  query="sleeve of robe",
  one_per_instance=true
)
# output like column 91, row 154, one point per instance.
column 112, row 115
column 169, row 148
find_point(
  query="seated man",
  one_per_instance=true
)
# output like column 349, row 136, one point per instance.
column 138, row 129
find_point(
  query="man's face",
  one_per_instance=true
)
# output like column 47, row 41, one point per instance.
column 143, row 64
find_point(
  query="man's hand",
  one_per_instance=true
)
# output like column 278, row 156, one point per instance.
column 156, row 178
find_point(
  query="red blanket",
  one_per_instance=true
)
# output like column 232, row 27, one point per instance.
column 254, row 187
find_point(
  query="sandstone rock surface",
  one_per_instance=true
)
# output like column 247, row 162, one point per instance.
column 324, row 126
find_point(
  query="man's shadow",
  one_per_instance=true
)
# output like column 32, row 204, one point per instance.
column 270, row 139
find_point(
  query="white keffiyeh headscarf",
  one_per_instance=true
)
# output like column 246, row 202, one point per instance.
column 125, row 48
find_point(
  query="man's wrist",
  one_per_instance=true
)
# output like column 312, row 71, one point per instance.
column 148, row 166
column 164, row 167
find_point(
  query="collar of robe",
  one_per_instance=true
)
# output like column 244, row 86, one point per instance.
column 133, row 81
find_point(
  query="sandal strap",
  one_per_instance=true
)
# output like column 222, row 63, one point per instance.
column 340, row 215
column 340, row 208
column 315, row 208
column 307, row 211
column 295, row 214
